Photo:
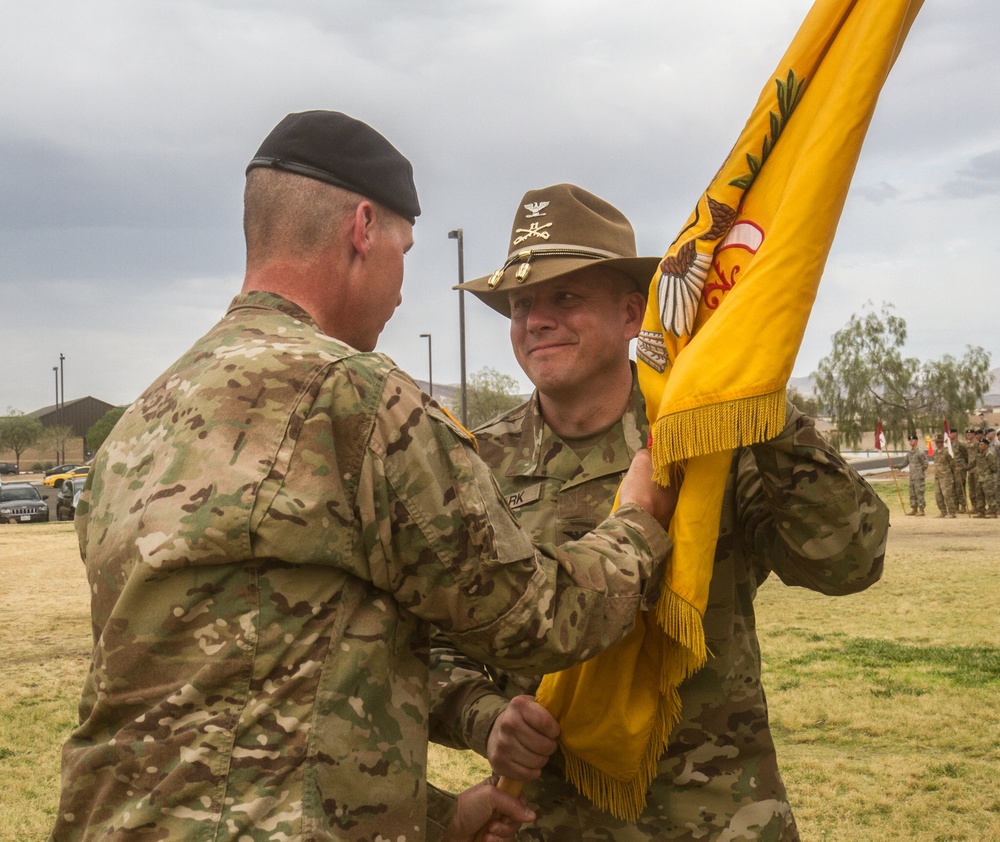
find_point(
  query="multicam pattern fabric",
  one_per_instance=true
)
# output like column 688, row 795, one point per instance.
column 995, row 450
column 269, row 533
column 793, row 507
column 963, row 459
column 944, row 481
column 916, row 460
column 970, row 476
column 984, row 466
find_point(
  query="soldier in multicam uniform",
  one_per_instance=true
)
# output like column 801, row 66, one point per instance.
column 985, row 467
column 971, row 442
column 916, row 461
column 274, row 525
column 962, row 456
column 792, row 507
column 994, row 446
column 944, row 478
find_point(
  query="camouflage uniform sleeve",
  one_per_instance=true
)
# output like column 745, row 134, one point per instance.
column 807, row 515
column 441, row 808
column 464, row 700
column 439, row 536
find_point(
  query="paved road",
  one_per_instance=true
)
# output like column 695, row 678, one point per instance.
column 49, row 495
column 874, row 464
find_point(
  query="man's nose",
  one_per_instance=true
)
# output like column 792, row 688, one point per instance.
column 540, row 316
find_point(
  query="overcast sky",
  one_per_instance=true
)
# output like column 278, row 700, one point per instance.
column 125, row 128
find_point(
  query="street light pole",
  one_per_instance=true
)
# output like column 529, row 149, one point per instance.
column 457, row 235
column 430, row 365
column 55, row 371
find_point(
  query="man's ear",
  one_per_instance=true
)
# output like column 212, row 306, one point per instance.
column 363, row 226
column 635, row 311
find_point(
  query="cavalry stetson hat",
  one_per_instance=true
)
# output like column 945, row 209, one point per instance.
column 558, row 230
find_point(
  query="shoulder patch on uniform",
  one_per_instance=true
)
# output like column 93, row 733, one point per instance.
column 442, row 414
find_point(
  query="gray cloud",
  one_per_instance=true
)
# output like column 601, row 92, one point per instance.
column 877, row 194
column 128, row 125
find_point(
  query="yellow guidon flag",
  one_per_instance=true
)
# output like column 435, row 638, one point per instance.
column 725, row 318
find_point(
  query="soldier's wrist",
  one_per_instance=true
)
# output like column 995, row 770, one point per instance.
column 480, row 719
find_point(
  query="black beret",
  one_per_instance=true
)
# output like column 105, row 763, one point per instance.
column 332, row 147
column 912, row 437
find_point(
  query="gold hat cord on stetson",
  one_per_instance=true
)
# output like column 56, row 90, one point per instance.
column 546, row 251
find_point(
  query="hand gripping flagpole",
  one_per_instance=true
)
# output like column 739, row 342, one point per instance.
column 513, row 788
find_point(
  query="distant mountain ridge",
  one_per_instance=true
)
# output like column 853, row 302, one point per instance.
column 806, row 386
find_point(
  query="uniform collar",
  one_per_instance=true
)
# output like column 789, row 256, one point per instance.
column 541, row 453
column 260, row 300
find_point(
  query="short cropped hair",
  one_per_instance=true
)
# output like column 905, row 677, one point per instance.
column 289, row 214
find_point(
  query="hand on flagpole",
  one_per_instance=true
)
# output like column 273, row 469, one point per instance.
column 489, row 812
column 498, row 824
column 523, row 738
column 640, row 488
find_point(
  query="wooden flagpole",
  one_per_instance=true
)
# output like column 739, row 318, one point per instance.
column 892, row 471
column 511, row 786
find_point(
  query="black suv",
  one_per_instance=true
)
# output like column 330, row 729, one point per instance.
column 20, row 502
column 8, row 468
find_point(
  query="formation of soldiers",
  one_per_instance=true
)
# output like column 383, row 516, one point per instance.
column 966, row 474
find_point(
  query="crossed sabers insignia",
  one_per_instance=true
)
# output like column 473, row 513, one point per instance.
column 535, row 230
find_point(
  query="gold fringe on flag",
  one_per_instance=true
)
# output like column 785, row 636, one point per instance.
column 681, row 434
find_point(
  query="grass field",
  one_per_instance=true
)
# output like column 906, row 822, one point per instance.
column 885, row 705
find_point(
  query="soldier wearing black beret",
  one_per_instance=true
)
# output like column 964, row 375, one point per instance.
column 276, row 523
column 331, row 147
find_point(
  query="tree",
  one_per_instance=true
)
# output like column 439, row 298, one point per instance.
column 102, row 428
column 810, row 406
column 56, row 438
column 866, row 379
column 18, row 432
column 488, row 394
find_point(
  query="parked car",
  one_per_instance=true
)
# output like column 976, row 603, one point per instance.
column 66, row 499
column 8, row 468
column 56, row 480
column 61, row 469
column 20, row 502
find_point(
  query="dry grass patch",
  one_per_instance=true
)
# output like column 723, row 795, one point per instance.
column 885, row 705
column 46, row 625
